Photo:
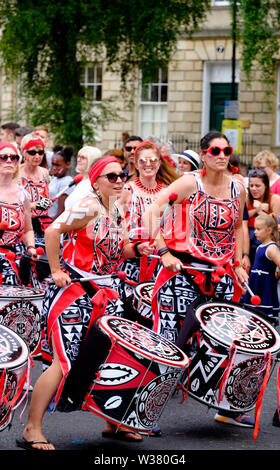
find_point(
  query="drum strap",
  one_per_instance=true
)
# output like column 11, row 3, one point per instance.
column 267, row 366
column 231, row 357
column 147, row 270
column 163, row 276
column 189, row 326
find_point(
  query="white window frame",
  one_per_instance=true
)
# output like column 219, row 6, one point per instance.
column 93, row 84
column 159, row 103
column 217, row 3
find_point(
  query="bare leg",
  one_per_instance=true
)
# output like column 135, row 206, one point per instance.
column 43, row 392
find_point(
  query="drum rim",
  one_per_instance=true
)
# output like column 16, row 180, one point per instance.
column 22, row 359
column 37, row 293
column 273, row 349
column 138, row 296
column 184, row 362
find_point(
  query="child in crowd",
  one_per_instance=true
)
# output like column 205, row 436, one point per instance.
column 263, row 276
column 61, row 161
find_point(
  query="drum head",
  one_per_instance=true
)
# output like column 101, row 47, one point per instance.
column 144, row 341
column 144, row 291
column 19, row 292
column 231, row 323
column 13, row 350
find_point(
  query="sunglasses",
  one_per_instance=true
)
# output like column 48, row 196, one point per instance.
column 13, row 158
column 256, row 172
column 33, row 152
column 152, row 160
column 129, row 149
column 113, row 177
column 215, row 151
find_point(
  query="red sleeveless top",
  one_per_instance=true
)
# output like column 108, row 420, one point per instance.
column 204, row 226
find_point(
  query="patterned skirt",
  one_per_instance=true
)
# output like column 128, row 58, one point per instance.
column 67, row 313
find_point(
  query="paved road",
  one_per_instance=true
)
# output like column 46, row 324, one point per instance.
column 190, row 434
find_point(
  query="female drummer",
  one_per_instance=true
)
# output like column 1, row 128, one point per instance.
column 154, row 174
column 260, row 200
column 34, row 177
column 16, row 233
column 98, row 244
column 205, row 230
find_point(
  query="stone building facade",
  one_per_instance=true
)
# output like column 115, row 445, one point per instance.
column 188, row 100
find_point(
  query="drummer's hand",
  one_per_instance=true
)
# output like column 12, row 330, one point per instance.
column 61, row 278
column 145, row 249
column 241, row 275
column 246, row 263
column 33, row 253
column 170, row 262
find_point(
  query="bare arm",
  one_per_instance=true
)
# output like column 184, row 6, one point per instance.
column 29, row 238
column 239, row 237
column 183, row 187
column 73, row 219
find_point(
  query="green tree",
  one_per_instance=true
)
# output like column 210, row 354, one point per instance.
column 46, row 42
column 257, row 29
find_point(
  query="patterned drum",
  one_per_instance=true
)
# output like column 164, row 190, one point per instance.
column 20, row 310
column 143, row 299
column 138, row 376
column 13, row 366
column 231, row 354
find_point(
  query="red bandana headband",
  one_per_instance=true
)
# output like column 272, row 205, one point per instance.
column 8, row 145
column 145, row 142
column 33, row 143
column 97, row 167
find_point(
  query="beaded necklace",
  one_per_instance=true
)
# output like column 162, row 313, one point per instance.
column 140, row 185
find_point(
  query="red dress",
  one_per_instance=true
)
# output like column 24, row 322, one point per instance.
column 68, row 311
column 11, row 240
column 200, row 231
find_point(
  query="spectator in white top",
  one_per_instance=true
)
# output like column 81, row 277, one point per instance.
column 85, row 158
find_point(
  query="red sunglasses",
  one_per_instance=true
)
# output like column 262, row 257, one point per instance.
column 215, row 151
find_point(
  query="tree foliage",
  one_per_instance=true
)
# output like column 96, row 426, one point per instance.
column 258, row 28
column 47, row 42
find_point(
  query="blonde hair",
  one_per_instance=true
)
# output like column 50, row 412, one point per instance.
column 28, row 137
column 270, row 221
column 269, row 157
column 92, row 153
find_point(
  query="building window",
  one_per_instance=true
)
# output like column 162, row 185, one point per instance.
column 153, row 105
column 220, row 2
column 92, row 82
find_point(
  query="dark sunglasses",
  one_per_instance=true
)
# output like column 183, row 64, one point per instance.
column 113, row 177
column 215, row 151
column 33, row 152
column 129, row 149
column 13, row 158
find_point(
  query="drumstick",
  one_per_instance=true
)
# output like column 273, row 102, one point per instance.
column 121, row 275
column 218, row 270
column 255, row 299
column 172, row 198
column 76, row 180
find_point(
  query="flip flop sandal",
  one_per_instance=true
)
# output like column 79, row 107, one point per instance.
column 28, row 445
